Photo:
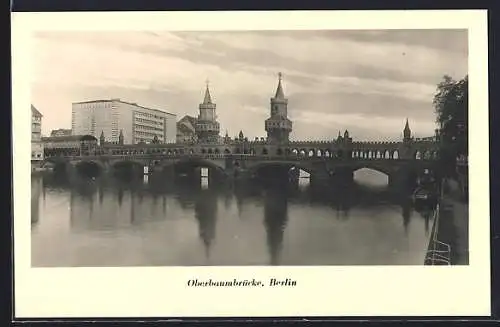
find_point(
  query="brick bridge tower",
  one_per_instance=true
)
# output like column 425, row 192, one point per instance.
column 278, row 126
column 207, row 128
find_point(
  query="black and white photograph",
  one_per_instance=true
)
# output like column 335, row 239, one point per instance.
column 250, row 148
column 253, row 151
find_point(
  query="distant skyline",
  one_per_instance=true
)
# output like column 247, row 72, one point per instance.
column 368, row 82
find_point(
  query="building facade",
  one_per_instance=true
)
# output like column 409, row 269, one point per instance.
column 60, row 132
column 36, row 135
column 113, row 117
column 186, row 129
column 72, row 145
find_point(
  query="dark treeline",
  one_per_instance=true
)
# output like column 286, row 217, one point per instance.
column 451, row 103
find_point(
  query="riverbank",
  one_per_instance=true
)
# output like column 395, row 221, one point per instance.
column 454, row 223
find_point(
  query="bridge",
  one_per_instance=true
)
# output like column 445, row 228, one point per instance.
column 323, row 160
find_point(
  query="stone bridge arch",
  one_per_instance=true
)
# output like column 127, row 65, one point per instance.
column 217, row 164
column 254, row 169
column 57, row 164
column 127, row 161
column 87, row 167
column 126, row 166
column 386, row 170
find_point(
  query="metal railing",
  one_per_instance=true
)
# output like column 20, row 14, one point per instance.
column 438, row 253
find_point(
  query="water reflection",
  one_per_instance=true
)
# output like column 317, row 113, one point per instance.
column 275, row 219
column 111, row 222
column 206, row 214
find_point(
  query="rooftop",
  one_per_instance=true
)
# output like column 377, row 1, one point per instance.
column 126, row 102
column 35, row 112
column 66, row 131
column 68, row 138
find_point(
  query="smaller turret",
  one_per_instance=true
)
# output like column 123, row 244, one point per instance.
column 227, row 139
column 241, row 136
column 407, row 132
column 120, row 137
column 101, row 139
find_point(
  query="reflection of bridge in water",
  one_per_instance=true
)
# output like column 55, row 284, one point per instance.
column 240, row 158
column 141, row 202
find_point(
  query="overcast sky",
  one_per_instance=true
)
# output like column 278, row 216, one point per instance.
column 368, row 82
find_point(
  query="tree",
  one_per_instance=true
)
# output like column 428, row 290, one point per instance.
column 451, row 103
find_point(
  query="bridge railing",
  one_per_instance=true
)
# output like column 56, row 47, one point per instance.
column 438, row 253
column 214, row 156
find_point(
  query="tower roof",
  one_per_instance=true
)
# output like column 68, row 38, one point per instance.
column 208, row 98
column 407, row 126
column 35, row 112
column 279, row 90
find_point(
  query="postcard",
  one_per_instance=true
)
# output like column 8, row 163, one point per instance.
column 222, row 164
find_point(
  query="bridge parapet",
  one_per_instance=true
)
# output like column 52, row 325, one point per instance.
column 242, row 157
column 312, row 142
column 393, row 143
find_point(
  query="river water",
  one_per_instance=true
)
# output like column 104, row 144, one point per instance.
column 149, row 223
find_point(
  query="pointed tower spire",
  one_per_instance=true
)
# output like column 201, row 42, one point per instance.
column 278, row 126
column 101, row 138
column 279, row 90
column 120, row 137
column 407, row 131
column 208, row 98
column 207, row 128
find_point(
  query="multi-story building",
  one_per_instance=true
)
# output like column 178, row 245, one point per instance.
column 61, row 132
column 113, row 117
column 36, row 135
column 186, row 129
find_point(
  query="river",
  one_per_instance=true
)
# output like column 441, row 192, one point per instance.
column 105, row 222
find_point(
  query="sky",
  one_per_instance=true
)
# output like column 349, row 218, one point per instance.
column 368, row 82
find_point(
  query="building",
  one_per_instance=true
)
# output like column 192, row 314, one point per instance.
column 72, row 145
column 36, row 135
column 61, row 132
column 278, row 126
column 207, row 127
column 136, row 123
column 186, row 129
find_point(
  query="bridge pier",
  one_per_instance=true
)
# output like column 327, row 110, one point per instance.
column 342, row 176
column 403, row 179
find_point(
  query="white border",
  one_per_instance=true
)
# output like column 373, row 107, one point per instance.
column 326, row 291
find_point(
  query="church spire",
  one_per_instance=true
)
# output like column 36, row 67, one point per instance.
column 279, row 90
column 208, row 98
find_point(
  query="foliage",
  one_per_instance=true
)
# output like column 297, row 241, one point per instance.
column 451, row 103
